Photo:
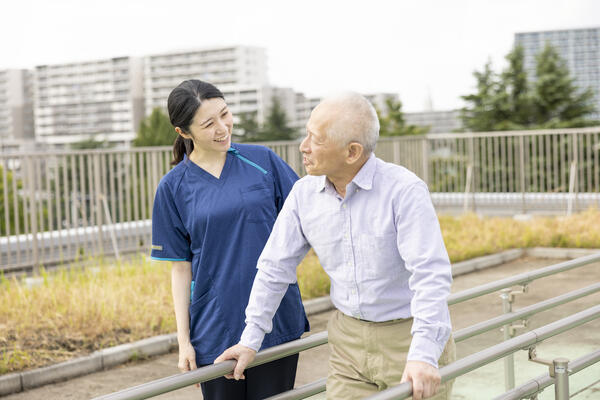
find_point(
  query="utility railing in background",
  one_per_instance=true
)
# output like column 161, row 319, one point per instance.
column 462, row 366
column 55, row 206
column 59, row 206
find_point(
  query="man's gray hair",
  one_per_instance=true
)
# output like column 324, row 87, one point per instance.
column 355, row 120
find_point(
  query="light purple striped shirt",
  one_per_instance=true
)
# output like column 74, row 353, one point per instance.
column 381, row 246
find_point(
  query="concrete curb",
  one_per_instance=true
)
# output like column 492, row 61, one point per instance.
column 113, row 356
column 464, row 267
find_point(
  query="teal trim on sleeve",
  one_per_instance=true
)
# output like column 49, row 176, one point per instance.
column 244, row 159
column 192, row 290
column 168, row 259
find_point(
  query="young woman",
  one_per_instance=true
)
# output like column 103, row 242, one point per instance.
column 213, row 213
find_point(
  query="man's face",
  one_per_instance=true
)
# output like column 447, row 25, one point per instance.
column 321, row 155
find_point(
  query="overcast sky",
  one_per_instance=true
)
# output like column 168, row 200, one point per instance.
column 414, row 48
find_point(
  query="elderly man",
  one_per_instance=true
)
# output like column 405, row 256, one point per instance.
column 374, row 229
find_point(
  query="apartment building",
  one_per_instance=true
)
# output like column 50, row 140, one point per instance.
column 437, row 121
column 100, row 99
column 240, row 70
column 16, row 106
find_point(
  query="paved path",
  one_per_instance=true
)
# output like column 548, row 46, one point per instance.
column 483, row 383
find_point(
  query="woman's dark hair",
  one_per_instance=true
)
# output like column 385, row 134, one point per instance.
column 182, row 104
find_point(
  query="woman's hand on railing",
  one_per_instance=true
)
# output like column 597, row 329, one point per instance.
column 187, row 358
column 244, row 356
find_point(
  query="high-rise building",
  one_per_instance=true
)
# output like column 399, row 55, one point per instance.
column 16, row 106
column 379, row 100
column 101, row 99
column 580, row 48
column 233, row 69
column 436, row 121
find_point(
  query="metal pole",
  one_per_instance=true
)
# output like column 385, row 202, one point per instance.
column 536, row 385
column 468, row 188
column 33, row 215
column 509, row 360
column 521, row 279
column 522, row 172
column 486, row 356
column 561, row 378
column 572, row 177
column 425, row 160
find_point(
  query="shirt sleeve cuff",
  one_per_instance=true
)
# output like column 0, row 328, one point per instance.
column 252, row 337
column 424, row 349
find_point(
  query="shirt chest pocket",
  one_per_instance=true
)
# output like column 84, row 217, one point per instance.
column 258, row 203
column 379, row 256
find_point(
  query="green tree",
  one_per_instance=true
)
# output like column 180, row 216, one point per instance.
column 509, row 101
column 247, row 127
column 484, row 108
column 275, row 127
column 90, row 144
column 557, row 101
column 155, row 130
column 392, row 123
column 515, row 91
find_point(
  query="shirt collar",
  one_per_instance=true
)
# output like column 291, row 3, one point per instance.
column 363, row 179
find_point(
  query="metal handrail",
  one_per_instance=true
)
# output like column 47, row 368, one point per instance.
column 473, row 330
column 476, row 360
column 521, row 279
column 170, row 383
column 174, row 382
column 302, row 392
column 543, row 381
column 463, row 334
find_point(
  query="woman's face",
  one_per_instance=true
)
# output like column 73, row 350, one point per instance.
column 212, row 126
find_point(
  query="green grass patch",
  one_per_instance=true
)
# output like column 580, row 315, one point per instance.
column 75, row 311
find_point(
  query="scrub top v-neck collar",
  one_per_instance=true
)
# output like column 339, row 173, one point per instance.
column 207, row 176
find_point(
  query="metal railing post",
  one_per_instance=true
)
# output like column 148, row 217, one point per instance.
column 468, row 188
column 509, row 360
column 561, row 378
column 522, row 172
column 572, row 188
column 33, row 214
column 425, row 155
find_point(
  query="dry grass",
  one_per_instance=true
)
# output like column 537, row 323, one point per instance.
column 76, row 311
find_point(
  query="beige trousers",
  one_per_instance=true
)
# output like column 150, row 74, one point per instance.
column 367, row 357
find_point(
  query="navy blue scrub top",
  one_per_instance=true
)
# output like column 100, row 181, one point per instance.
column 221, row 226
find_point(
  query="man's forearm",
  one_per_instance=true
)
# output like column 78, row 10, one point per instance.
column 266, row 295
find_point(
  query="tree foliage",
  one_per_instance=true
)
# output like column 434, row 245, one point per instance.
column 509, row 100
column 557, row 101
column 90, row 143
column 276, row 126
column 392, row 123
column 155, row 130
column 247, row 127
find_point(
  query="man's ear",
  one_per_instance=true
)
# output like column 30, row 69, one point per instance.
column 355, row 152
column 182, row 133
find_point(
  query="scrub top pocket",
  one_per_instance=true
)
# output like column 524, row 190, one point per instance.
column 258, row 204
column 208, row 329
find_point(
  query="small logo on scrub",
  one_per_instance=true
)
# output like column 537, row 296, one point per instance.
column 156, row 247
